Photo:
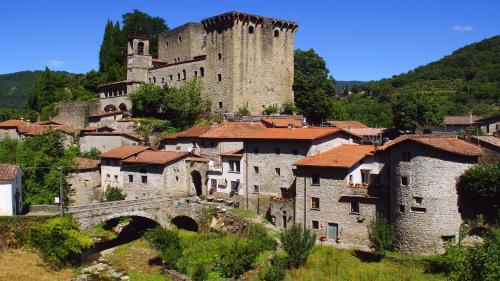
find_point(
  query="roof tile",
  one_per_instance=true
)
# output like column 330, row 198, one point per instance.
column 8, row 172
column 342, row 156
column 233, row 130
column 124, row 151
column 346, row 124
column 444, row 143
column 295, row 133
column 155, row 157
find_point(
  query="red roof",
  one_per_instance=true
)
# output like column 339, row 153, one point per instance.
column 192, row 132
column 86, row 164
column 96, row 129
column 8, row 172
column 13, row 123
column 493, row 140
column 295, row 133
column 444, row 143
column 105, row 114
column 233, row 130
column 130, row 136
column 235, row 153
column 282, row 122
column 460, row 120
column 37, row 128
column 124, row 151
column 155, row 157
column 342, row 156
column 367, row 132
column 346, row 124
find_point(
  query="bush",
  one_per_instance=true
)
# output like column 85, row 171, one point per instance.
column 276, row 271
column 297, row 243
column 448, row 262
column 242, row 111
column 167, row 242
column 113, row 194
column 288, row 108
column 58, row 241
column 260, row 240
column 381, row 235
column 272, row 109
column 235, row 258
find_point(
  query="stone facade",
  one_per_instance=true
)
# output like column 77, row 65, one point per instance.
column 86, row 186
column 104, row 141
column 74, row 113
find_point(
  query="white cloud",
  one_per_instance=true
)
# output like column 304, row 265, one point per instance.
column 461, row 28
column 57, row 64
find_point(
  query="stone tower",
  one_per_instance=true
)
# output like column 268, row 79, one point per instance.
column 249, row 61
column 139, row 61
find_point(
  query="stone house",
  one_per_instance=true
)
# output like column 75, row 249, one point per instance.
column 20, row 129
column 423, row 172
column 85, row 181
column 106, row 141
column 270, row 154
column 185, row 141
column 227, row 182
column 490, row 125
column 111, row 164
column 455, row 124
column 107, row 118
column 11, row 190
column 337, row 193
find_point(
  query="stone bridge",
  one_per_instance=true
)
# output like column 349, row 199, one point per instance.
column 165, row 210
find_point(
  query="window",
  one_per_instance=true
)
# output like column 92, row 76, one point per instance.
column 108, row 176
column 284, row 192
column 178, row 76
column 256, row 150
column 256, row 188
column 285, row 219
column 140, row 48
column 234, row 166
column 166, row 45
column 154, row 79
column 219, row 55
column 315, row 224
column 315, row 203
column 448, row 238
column 404, row 181
column 220, row 105
column 315, row 179
column 277, row 150
column 163, row 79
column 417, row 200
column 180, row 39
column 250, row 29
column 350, row 178
column 256, row 169
column 276, row 33
column 116, row 178
column 202, row 72
column 365, row 176
column 418, row 210
column 144, row 179
column 171, row 77
column 295, row 151
column 278, row 171
column 183, row 74
column 178, row 147
column 195, row 73
column 213, row 183
column 354, row 207
column 219, row 77
column 405, row 156
column 130, row 178
column 235, row 185
column 401, row 209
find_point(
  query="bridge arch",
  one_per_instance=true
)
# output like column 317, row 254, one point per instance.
column 101, row 219
column 110, row 108
column 185, row 222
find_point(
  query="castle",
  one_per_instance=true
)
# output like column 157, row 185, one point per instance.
column 243, row 60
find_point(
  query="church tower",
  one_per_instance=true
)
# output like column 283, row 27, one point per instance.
column 139, row 61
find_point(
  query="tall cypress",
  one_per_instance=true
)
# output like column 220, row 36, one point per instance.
column 106, row 47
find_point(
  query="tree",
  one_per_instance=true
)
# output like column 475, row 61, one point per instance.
column 412, row 110
column 297, row 243
column 381, row 235
column 148, row 101
column 113, row 194
column 313, row 86
column 139, row 23
column 167, row 242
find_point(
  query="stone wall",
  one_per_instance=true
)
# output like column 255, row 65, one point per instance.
column 86, row 186
column 104, row 142
column 282, row 212
column 73, row 113
column 182, row 43
column 176, row 74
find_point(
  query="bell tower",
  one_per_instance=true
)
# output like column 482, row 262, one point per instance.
column 139, row 61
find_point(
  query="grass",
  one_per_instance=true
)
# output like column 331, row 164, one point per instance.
column 327, row 263
column 244, row 213
column 22, row 265
column 101, row 231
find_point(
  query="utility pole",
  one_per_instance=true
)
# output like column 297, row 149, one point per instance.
column 61, row 190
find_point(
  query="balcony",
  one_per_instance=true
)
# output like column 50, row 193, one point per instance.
column 362, row 190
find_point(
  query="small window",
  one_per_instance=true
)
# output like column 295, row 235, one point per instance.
column 171, row 77
column 116, row 178
column 219, row 55
column 256, row 169
column 365, row 176
column 130, row 178
column 295, row 151
column 417, row 200
column 256, row 188
column 235, row 186
column 195, row 73
column 315, row 203
column 354, row 207
column 220, row 105
column 315, row 224
column 278, row 171
column 250, row 29
column 350, row 178
column 202, row 72
column 315, row 179
column 406, row 156
column 448, row 238
column 154, row 79
column 401, row 209
column 108, row 176
column 219, row 77
column 178, row 147
column 404, row 181
column 276, row 33
column 178, row 76
column 278, row 150
column 144, row 179
column 180, row 39
column 166, row 45
column 234, row 166
column 183, row 74
column 140, row 48
column 163, row 79
column 256, row 150
column 418, row 210
column 213, row 183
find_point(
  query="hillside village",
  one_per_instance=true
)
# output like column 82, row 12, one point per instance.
column 333, row 178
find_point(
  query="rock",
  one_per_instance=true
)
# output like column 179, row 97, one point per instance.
column 82, row 277
column 125, row 277
column 471, row 241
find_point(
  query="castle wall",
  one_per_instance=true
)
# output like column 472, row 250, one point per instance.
column 182, row 43
column 174, row 75
column 86, row 186
column 104, row 142
column 72, row 113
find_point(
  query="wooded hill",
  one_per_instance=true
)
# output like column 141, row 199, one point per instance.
column 14, row 88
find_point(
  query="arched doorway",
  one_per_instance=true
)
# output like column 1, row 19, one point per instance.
column 185, row 222
column 122, row 107
column 109, row 108
column 196, row 177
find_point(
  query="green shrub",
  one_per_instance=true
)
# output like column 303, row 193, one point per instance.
column 447, row 262
column 288, row 108
column 272, row 109
column 275, row 271
column 297, row 243
column 235, row 258
column 260, row 239
column 58, row 241
column 167, row 242
column 200, row 273
column 242, row 111
column 381, row 235
column 113, row 194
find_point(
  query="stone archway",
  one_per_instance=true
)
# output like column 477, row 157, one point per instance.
column 196, row 178
column 122, row 107
column 185, row 222
column 110, row 108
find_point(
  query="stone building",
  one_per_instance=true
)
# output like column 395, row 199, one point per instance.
column 111, row 164
column 85, row 181
column 243, row 60
column 105, row 140
column 337, row 193
column 20, row 129
column 490, row 125
column 11, row 190
column 423, row 172
column 186, row 141
column 227, row 181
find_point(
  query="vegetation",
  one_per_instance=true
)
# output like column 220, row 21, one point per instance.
column 289, row 108
column 114, row 194
column 167, row 242
column 242, row 111
column 297, row 243
column 58, row 241
column 271, row 109
column 381, row 235
column 413, row 110
column 14, row 231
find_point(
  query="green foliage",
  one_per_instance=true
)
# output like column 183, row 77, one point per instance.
column 58, row 241
column 275, row 271
column 412, row 110
column 93, row 153
column 14, row 88
column 112, row 53
column 48, row 111
column 235, row 258
column 113, row 194
column 271, row 109
column 142, row 24
column 242, row 111
column 448, row 262
column 167, row 242
column 14, row 231
column 148, row 101
column 479, row 189
column 150, row 126
column 381, row 235
column 289, row 108
column 297, row 243
column 260, row 239
column 369, row 110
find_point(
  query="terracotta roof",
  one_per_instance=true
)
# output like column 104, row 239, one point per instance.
column 8, row 172
column 47, row 123
column 342, row 156
column 366, row 132
column 95, row 129
column 282, row 122
column 155, row 157
column 233, row 130
column 460, row 120
column 493, row 140
column 86, row 164
column 234, row 153
column 132, row 136
column 295, row 133
column 444, row 143
column 37, row 128
column 124, row 151
column 13, row 123
column 192, row 132
column 105, row 114
column 346, row 124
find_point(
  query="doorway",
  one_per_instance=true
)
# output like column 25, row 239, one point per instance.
column 333, row 231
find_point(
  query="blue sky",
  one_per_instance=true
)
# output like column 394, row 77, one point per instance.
column 360, row 40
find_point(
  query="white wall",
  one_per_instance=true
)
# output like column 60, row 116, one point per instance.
column 229, row 176
column 104, row 142
column 369, row 163
column 112, row 171
column 324, row 144
column 8, row 196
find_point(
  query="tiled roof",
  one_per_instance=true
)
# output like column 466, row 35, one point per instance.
column 282, row 122
column 8, row 172
column 86, row 164
column 235, row 153
column 37, row 128
column 47, row 123
column 493, row 140
column 105, row 114
column 13, row 123
column 131, row 136
column 346, row 124
column 233, row 130
column 96, row 129
column 295, row 133
column 155, row 157
column 192, row 132
column 460, row 120
column 342, row 156
column 124, row 151
column 367, row 132
column 444, row 143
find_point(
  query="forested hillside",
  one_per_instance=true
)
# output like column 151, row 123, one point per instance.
column 14, row 88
